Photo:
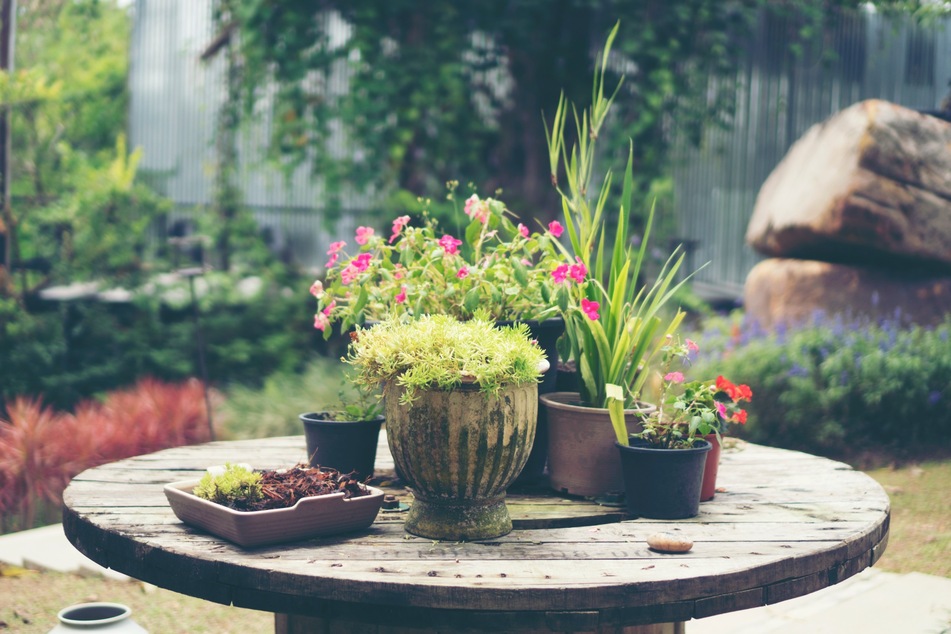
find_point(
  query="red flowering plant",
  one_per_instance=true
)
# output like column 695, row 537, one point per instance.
column 687, row 411
column 498, row 265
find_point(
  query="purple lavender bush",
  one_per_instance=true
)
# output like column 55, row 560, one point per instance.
column 839, row 386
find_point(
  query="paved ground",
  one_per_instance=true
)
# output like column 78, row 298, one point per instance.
column 872, row 602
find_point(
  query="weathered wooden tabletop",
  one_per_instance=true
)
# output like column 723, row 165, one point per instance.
column 782, row 524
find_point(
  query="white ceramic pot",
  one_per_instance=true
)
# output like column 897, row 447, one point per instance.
column 107, row 618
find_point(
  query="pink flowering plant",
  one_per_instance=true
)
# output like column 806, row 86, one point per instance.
column 688, row 411
column 497, row 264
column 615, row 328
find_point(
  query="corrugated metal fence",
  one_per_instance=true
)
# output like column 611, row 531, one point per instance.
column 175, row 98
column 778, row 97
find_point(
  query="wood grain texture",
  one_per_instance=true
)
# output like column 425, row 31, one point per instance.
column 783, row 524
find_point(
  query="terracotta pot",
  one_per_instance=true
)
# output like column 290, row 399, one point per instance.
column 662, row 483
column 582, row 459
column 458, row 451
column 710, row 468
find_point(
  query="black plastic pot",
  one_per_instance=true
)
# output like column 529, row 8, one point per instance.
column 546, row 333
column 663, row 483
column 347, row 446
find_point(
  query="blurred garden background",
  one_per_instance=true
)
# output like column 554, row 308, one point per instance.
column 175, row 170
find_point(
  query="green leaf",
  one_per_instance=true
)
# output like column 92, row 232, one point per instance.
column 521, row 273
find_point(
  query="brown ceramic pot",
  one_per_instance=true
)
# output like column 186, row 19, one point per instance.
column 582, row 459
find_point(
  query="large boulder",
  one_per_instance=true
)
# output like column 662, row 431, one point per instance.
column 872, row 180
column 793, row 292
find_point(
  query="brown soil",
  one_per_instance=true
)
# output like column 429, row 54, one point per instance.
column 282, row 489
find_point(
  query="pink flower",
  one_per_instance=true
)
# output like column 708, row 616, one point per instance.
column 333, row 252
column 463, row 272
column 523, row 230
column 477, row 209
column 317, row 289
column 321, row 322
column 526, row 262
column 560, row 274
column 402, row 296
column 692, row 346
column 555, row 228
column 363, row 234
column 590, row 309
column 398, row 225
column 349, row 273
column 398, row 272
column 330, row 307
column 674, row 377
column 721, row 408
column 362, row 261
column 578, row 271
column 449, row 244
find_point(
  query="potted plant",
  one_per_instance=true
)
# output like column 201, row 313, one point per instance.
column 461, row 404
column 665, row 464
column 615, row 327
column 491, row 263
column 345, row 437
column 254, row 508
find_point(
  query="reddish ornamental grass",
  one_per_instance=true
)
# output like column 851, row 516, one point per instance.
column 41, row 450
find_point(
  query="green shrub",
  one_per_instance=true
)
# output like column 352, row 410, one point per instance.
column 839, row 387
column 72, row 350
column 273, row 408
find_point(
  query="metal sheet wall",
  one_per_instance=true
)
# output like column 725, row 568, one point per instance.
column 175, row 97
column 174, row 100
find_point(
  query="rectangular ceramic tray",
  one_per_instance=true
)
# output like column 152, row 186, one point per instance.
column 310, row 517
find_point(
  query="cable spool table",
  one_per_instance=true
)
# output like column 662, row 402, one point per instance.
column 783, row 524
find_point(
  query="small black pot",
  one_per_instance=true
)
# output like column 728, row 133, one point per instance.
column 347, row 446
column 663, row 483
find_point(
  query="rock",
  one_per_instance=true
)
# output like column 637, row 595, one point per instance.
column 669, row 543
column 872, row 179
column 792, row 292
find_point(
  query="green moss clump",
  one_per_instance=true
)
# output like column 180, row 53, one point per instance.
column 236, row 488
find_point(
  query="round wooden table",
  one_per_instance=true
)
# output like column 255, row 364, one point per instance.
column 783, row 524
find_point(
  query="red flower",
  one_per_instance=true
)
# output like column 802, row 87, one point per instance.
column 740, row 416
column 735, row 392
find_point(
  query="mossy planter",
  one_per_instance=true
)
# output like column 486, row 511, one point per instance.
column 458, row 451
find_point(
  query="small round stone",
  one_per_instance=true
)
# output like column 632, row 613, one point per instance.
column 669, row 543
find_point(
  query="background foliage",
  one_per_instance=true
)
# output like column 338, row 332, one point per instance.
column 839, row 387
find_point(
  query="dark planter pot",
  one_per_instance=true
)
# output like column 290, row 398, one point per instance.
column 347, row 446
column 546, row 333
column 663, row 483
column 710, row 468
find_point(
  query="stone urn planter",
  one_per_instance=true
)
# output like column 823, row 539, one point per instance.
column 458, row 451
column 461, row 406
